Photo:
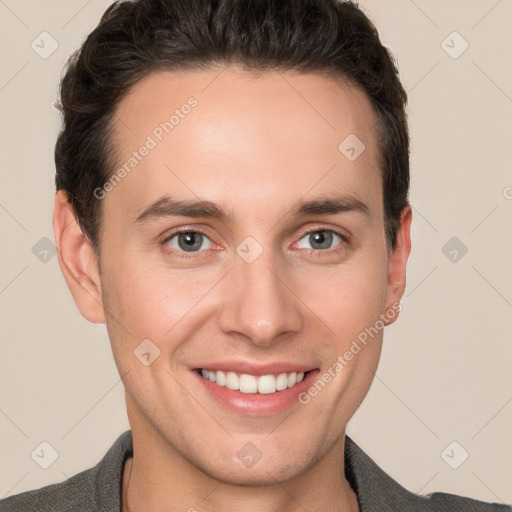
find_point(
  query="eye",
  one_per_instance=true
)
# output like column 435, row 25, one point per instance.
column 188, row 241
column 320, row 239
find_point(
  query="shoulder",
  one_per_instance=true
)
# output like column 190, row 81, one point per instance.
column 76, row 493
column 378, row 492
column 444, row 502
column 95, row 489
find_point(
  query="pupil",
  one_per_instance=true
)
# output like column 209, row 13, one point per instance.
column 187, row 242
column 322, row 238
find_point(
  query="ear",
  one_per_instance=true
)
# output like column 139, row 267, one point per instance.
column 77, row 260
column 397, row 263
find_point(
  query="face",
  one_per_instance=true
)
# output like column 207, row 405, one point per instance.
column 244, row 243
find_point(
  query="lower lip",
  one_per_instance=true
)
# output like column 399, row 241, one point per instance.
column 255, row 404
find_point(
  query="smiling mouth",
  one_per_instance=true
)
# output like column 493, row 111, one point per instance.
column 252, row 384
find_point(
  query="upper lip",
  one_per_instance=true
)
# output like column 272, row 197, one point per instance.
column 253, row 368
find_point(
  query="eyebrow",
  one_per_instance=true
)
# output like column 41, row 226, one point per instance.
column 168, row 207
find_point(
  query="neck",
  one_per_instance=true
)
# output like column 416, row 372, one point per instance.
column 161, row 479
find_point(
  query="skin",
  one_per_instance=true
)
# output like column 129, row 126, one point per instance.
column 255, row 146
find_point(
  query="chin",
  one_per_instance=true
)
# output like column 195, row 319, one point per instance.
column 251, row 466
column 260, row 475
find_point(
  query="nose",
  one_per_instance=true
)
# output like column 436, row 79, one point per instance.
column 259, row 302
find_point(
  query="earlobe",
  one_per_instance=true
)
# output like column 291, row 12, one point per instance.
column 397, row 264
column 77, row 260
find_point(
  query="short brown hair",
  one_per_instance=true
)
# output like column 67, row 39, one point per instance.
column 137, row 37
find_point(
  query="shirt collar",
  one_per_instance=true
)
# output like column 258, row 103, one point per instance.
column 376, row 491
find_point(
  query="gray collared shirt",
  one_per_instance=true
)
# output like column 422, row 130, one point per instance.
column 99, row 488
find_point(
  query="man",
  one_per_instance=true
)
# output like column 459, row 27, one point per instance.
column 233, row 203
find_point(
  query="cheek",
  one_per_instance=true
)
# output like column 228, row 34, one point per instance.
column 348, row 298
column 150, row 300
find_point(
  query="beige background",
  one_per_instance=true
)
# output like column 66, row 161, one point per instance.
column 445, row 373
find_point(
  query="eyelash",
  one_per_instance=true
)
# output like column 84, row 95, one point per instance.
column 184, row 255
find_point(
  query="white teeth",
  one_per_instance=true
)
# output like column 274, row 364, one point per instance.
column 232, row 381
column 248, row 383
column 220, row 378
column 281, row 381
column 264, row 385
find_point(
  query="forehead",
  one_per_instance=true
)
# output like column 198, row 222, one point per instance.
column 217, row 131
